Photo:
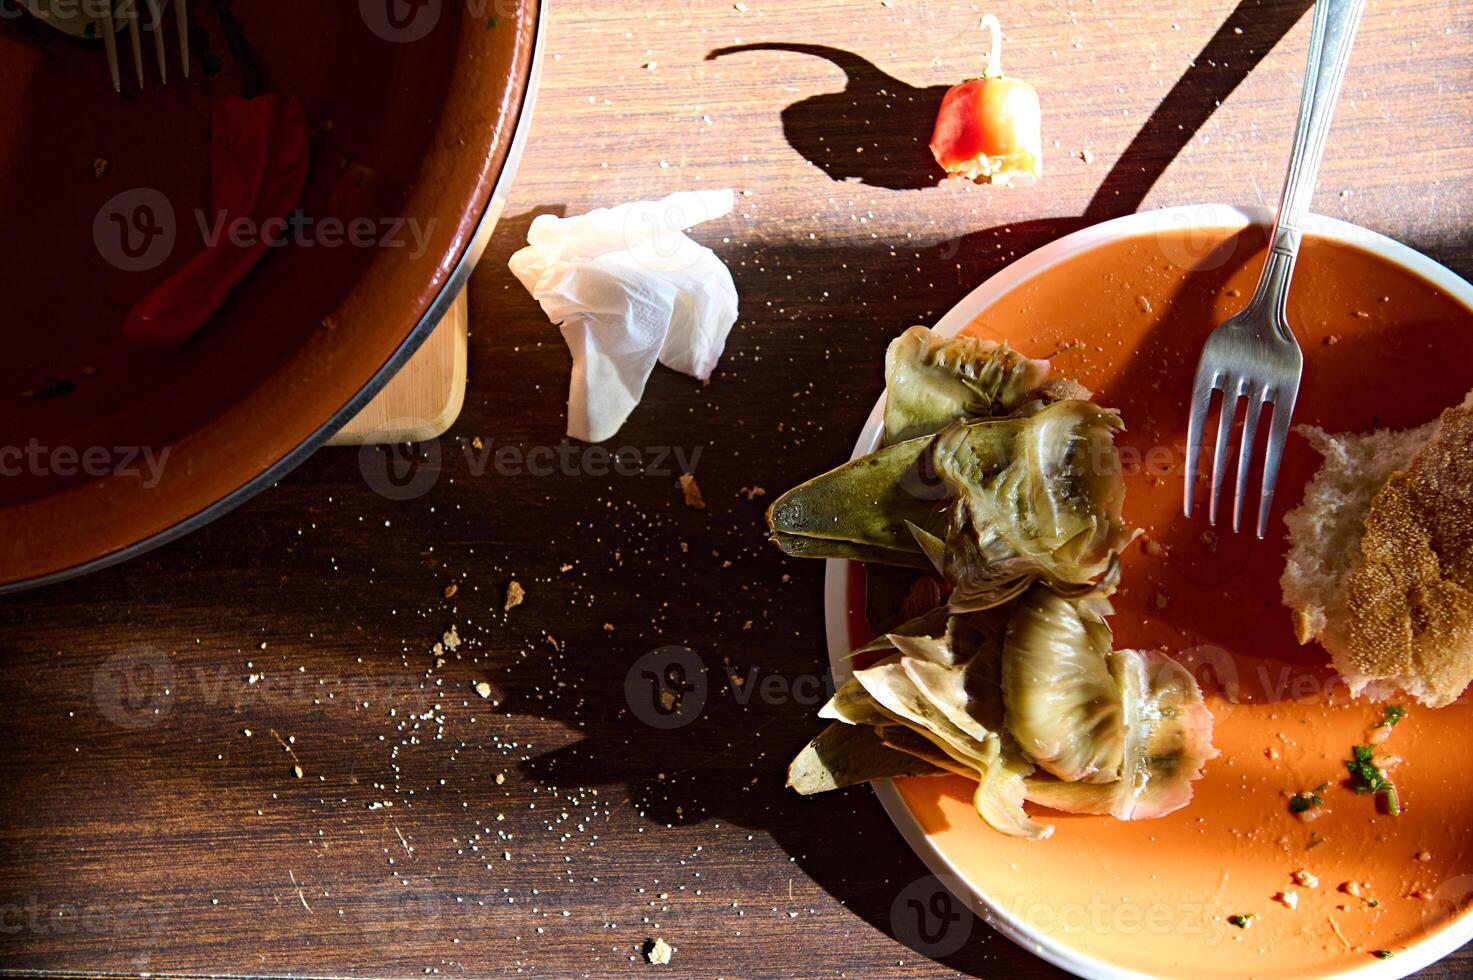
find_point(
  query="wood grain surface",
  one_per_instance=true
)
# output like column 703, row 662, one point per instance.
column 153, row 715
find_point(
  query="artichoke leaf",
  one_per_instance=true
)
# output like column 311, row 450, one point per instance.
column 802, row 546
column 932, row 380
column 935, row 626
column 1063, row 704
column 861, row 509
column 1048, row 509
column 1168, row 742
column 843, row 755
column 999, row 773
column 907, row 740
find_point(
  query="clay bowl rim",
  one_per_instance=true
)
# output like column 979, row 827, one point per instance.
column 434, row 313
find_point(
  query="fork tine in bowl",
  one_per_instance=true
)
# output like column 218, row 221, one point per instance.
column 181, row 21
column 156, row 28
column 135, row 38
column 110, row 44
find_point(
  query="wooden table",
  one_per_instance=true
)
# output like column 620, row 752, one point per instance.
column 153, row 714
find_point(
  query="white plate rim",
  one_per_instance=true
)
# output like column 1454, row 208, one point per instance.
column 836, row 599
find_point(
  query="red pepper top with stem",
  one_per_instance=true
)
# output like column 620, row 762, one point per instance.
column 989, row 128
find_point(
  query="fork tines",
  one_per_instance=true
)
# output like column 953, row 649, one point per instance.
column 1277, row 391
column 129, row 12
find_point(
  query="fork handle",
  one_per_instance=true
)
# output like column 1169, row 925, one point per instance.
column 1330, row 39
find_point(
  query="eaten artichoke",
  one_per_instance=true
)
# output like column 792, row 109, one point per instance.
column 931, row 381
column 1010, row 681
column 1122, row 733
column 1063, row 705
column 935, row 699
column 994, row 505
column 1168, row 742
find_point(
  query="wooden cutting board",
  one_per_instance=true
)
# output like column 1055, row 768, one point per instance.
column 425, row 397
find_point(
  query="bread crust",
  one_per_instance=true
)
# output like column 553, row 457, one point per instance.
column 1410, row 600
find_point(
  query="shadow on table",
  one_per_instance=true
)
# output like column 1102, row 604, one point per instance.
column 701, row 726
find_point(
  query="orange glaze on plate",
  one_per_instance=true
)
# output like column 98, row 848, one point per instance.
column 1382, row 347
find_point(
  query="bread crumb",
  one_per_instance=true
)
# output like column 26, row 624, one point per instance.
column 751, row 493
column 500, row 778
column 1289, row 900
column 514, row 595
column 483, row 689
column 692, row 492
column 1305, row 879
column 657, row 951
column 451, row 639
column 450, row 590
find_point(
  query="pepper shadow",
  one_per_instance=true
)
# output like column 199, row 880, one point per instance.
column 876, row 130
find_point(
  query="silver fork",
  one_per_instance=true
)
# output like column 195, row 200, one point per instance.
column 128, row 12
column 1254, row 355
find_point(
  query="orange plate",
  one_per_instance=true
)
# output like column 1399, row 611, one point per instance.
column 1384, row 346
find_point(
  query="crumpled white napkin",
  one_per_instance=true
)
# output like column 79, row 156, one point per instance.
column 629, row 287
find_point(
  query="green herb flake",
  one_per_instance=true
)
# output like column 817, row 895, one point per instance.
column 1394, row 714
column 1241, row 921
column 1304, row 802
column 1383, row 954
column 1367, row 777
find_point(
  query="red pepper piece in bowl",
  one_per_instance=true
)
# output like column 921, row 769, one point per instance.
column 258, row 171
column 990, row 128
